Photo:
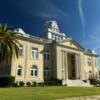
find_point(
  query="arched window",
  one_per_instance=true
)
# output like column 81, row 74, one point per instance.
column 19, row 70
column 34, row 70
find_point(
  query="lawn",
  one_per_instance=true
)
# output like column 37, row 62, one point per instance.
column 46, row 93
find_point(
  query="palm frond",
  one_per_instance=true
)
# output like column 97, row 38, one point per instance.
column 8, row 43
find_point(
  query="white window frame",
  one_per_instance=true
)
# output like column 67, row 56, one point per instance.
column 90, row 74
column 21, row 49
column 33, row 70
column 34, row 51
column 46, row 55
column 95, row 63
column 89, row 62
column 21, row 70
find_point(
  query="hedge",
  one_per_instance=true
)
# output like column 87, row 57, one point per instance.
column 6, row 80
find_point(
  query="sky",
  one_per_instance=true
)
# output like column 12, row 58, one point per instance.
column 79, row 19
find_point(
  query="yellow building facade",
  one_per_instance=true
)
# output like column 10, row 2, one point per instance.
column 53, row 55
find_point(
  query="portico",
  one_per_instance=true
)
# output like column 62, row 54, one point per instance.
column 71, row 66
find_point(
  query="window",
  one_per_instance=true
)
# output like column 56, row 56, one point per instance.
column 46, row 55
column 55, row 37
column 52, row 36
column 61, row 38
column 34, row 70
column 21, row 51
column 90, row 74
column 95, row 63
column 46, row 73
column 34, row 53
column 19, row 70
column 89, row 62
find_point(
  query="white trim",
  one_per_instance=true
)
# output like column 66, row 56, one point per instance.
column 35, row 51
column 33, row 71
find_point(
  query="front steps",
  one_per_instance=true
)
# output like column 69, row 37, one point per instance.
column 76, row 83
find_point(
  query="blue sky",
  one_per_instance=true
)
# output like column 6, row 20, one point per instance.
column 79, row 19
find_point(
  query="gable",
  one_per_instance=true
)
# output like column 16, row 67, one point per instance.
column 71, row 43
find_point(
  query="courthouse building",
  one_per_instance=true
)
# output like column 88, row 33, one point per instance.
column 53, row 55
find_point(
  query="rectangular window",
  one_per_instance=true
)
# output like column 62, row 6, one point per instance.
column 95, row 63
column 21, row 51
column 55, row 37
column 89, row 62
column 19, row 72
column 34, row 53
column 46, row 55
column 46, row 74
column 52, row 36
column 33, row 72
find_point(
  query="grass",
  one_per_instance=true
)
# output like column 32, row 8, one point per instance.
column 46, row 93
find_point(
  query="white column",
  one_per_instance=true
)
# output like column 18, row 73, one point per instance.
column 26, row 61
column 77, row 67
column 82, row 73
column 62, row 65
column 66, row 66
column 92, row 66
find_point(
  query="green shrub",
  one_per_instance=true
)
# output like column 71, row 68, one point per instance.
column 40, row 84
column 52, row 82
column 93, row 81
column 15, row 85
column 6, row 80
column 21, row 83
column 28, row 84
column 34, row 84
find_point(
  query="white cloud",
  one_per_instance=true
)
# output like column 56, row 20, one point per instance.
column 81, row 13
column 50, row 11
column 93, row 38
column 43, row 9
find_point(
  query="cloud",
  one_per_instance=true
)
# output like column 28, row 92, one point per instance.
column 93, row 38
column 81, row 13
column 43, row 9
column 49, row 10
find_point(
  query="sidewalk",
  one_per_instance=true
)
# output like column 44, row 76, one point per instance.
column 83, row 98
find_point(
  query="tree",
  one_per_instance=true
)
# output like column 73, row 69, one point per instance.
column 8, row 44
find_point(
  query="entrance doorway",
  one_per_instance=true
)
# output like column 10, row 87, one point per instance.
column 71, row 66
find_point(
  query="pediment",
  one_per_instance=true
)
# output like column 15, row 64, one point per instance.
column 71, row 43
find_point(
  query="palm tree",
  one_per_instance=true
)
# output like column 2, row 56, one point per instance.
column 8, row 44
